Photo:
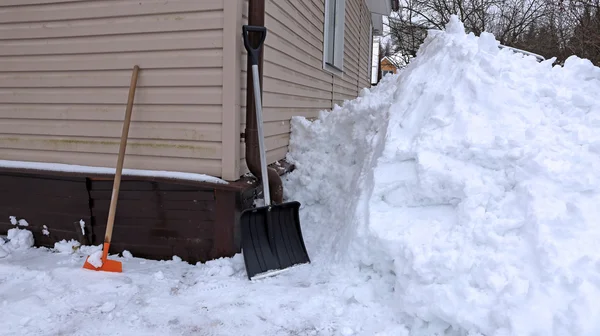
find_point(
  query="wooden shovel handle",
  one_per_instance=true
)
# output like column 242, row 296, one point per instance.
column 117, row 182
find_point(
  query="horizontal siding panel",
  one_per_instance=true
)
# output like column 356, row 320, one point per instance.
column 114, row 112
column 273, row 127
column 293, row 62
column 207, row 39
column 194, row 77
column 339, row 98
column 273, row 155
column 301, row 9
column 293, row 28
column 112, row 129
column 9, row 3
column 280, row 43
column 271, row 142
column 164, row 95
column 351, row 57
column 278, row 101
column 102, row 9
column 276, row 71
column 353, row 18
column 175, row 148
column 346, row 85
column 288, row 87
column 292, row 70
column 317, row 9
column 155, row 23
column 280, row 127
column 286, row 114
column 162, row 162
column 339, row 89
column 115, row 61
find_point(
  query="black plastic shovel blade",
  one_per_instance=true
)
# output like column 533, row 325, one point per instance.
column 272, row 238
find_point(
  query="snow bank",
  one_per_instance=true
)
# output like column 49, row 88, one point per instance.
column 467, row 184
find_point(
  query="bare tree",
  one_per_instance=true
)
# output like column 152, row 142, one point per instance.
column 552, row 28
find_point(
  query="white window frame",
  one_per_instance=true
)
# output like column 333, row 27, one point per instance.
column 333, row 39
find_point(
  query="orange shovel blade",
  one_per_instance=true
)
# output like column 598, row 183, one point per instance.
column 107, row 264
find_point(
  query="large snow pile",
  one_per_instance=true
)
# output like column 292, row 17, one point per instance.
column 468, row 185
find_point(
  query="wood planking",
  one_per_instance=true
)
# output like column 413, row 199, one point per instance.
column 65, row 68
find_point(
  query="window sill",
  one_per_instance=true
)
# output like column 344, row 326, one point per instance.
column 333, row 69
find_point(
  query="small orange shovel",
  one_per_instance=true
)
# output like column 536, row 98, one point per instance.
column 113, row 265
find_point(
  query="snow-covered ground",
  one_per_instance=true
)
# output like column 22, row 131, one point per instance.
column 459, row 197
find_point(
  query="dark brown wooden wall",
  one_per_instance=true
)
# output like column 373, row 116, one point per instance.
column 154, row 219
column 57, row 202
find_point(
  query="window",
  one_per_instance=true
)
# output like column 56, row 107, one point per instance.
column 385, row 72
column 333, row 46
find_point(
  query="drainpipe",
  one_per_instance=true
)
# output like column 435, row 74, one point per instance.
column 256, row 17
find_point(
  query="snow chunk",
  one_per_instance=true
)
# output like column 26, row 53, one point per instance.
column 107, row 307
column 17, row 240
column 64, row 246
column 96, row 259
column 455, row 26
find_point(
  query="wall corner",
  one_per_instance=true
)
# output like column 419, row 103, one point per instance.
column 230, row 132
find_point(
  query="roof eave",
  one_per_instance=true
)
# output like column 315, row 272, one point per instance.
column 378, row 9
column 382, row 7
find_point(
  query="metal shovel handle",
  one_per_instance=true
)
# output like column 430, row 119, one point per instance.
column 253, row 53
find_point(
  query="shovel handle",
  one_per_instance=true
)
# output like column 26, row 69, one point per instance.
column 254, row 52
column 124, row 134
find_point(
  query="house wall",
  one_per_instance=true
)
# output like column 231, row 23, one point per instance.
column 65, row 68
column 294, row 80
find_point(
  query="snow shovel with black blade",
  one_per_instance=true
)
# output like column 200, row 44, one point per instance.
column 271, row 235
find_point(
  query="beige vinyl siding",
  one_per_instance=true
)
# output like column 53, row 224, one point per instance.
column 65, row 68
column 356, row 53
column 293, row 77
column 293, row 80
column 366, row 48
